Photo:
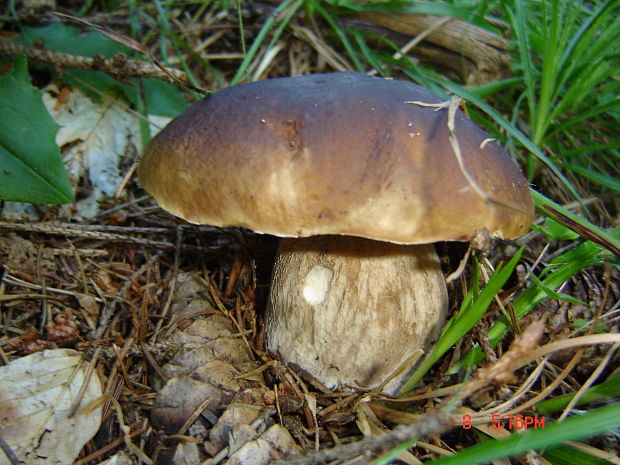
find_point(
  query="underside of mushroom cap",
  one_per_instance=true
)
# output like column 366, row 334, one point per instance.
column 339, row 153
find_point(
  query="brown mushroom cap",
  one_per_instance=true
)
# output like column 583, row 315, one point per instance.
column 338, row 153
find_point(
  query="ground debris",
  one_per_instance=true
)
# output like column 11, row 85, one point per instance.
column 214, row 370
column 168, row 313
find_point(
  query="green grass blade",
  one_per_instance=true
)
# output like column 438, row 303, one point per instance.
column 552, row 294
column 519, row 21
column 241, row 28
column 578, row 44
column 592, row 41
column 487, row 89
column 609, row 182
column 595, row 147
column 549, row 73
column 605, row 391
column 583, row 86
column 391, row 455
column 587, row 113
column 368, row 53
column 580, row 225
column 560, row 270
column 269, row 24
column 162, row 16
column 346, row 43
column 292, row 11
column 470, row 313
column 567, row 455
column 574, row 428
column 465, row 12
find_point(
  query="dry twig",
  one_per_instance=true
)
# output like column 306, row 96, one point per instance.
column 434, row 423
column 92, row 232
column 118, row 66
column 476, row 54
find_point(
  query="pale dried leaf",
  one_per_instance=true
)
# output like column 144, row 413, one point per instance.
column 370, row 425
column 36, row 396
column 122, row 458
column 94, row 138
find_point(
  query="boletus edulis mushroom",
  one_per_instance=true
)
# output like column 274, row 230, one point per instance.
column 359, row 182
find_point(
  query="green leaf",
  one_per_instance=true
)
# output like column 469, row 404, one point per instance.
column 71, row 40
column 32, row 170
column 163, row 98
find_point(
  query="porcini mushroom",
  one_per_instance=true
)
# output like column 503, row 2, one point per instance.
column 359, row 183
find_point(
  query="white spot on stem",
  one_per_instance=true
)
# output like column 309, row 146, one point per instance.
column 317, row 284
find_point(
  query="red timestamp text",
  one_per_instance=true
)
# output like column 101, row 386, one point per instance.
column 511, row 422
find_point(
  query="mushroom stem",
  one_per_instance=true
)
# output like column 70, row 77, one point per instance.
column 350, row 311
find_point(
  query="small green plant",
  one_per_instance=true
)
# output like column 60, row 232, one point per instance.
column 31, row 167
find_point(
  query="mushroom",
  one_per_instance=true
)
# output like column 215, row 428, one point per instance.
column 359, row 182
